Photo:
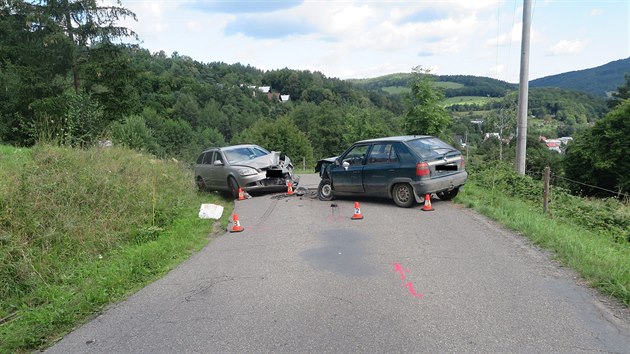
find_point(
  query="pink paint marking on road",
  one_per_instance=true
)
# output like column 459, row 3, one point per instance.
column 400, row 269
column 412, row 291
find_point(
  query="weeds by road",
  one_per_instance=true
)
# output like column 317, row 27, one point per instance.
column 590, row 236
column 80, row 229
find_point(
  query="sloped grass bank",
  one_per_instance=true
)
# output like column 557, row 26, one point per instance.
column 80, row 229
column 590, row 236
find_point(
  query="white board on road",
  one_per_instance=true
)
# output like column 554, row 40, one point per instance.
column 210, row 211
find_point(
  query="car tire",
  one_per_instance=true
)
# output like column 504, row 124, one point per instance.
column 403, row 195
column 201, row 184
column 448, row 195
column 233, row 185
column 324, row 190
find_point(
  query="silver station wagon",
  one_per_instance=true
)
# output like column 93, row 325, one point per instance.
column 247, row 166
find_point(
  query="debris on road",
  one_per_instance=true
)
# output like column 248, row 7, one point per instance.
column 210, row 211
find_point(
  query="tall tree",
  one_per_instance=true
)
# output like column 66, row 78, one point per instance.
column 599, row 156
column 83, row 23
column 623, row 93
column 425, row 115
column 279, row 135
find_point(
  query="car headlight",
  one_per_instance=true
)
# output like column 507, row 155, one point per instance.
column 247, row 172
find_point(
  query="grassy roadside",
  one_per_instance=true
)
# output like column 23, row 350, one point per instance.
column 599, row 251
column 80, row 229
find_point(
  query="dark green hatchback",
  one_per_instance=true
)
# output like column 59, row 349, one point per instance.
column 402, row 168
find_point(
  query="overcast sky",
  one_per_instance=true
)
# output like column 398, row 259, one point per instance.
column 369, row 38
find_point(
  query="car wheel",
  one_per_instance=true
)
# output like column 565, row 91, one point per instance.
column 448, row 195
column 324, row 190
column 403, row 195
column 201, row 184
column 233, row 186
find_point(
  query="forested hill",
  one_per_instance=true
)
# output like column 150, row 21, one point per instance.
column 453, row 85
column 598, row 81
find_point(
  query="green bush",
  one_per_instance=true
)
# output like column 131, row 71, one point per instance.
column 80, row 229
column 609, row 217
column 70, row 205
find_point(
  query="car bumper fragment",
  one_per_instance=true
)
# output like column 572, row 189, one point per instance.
column 440, row 184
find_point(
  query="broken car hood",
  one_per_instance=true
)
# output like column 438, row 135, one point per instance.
column 324, row 162
column 268, row 161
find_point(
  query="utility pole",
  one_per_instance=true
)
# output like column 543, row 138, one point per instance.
column 523, row 91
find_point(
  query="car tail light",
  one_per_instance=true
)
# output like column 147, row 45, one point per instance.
column 463, row 163
column 422, row 169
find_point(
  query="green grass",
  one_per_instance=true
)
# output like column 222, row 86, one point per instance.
column 80, row 229
column 448, row 84
column 600, row 253
column 480, row 100
column 396, row 90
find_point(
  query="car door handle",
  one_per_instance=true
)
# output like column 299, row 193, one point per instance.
column 391, row 171
column 356, row 172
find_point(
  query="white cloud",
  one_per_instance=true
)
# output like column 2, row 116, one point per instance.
column 514, row 36
column 358, row 38
column 565, row 47
column 496, row 71
column 597, row 12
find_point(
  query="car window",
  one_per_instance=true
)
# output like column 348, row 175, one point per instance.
column 356, row 155
column 207, row 158
column 382, row 153
column 217, row 157
column 239, row 154
column 200, row 159
column 258, row 151
column 428, row 147
column 404, row 154
column 244, row 153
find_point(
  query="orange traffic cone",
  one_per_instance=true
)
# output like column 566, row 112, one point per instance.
column 236, row 225
column 427, row 203
column 290, row 189
column 357, row 212
column 241, row 194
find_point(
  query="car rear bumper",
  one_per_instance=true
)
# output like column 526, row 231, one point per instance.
column 440, row 184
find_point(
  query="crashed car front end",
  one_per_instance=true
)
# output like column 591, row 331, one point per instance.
column 322, row 165
column 271, row 171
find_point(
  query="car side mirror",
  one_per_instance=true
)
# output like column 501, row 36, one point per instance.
column 218, row 163
column 345, row 165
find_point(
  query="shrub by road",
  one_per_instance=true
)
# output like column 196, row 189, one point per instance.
column 80, row 229
column 591, row 236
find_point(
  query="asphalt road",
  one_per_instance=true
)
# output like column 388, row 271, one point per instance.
column 304, row 277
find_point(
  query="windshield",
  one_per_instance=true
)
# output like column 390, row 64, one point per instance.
column 244, row 153
column 430, row 147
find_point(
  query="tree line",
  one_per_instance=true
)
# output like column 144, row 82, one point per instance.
column 68, row 79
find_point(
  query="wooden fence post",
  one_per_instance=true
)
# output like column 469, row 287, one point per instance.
column 546, row 192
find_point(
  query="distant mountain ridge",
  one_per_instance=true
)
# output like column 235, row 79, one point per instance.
column 598, row 81
column 453, row 85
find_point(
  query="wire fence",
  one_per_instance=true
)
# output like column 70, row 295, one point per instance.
column 540, row 175
column 617, row 193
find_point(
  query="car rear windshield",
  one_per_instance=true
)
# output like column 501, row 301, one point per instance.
column 430, row 147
